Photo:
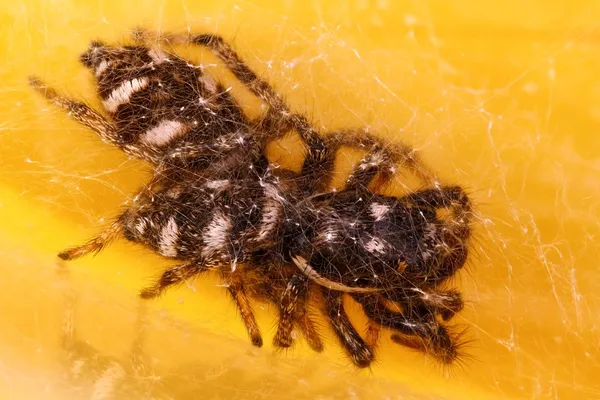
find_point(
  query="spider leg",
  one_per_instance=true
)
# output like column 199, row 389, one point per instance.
column 88, row 117
column 308, row 329
column 372, row 334
column 93, row 245
column 445, row 196
column 174, row 276
column 237, row 66
column 288, row 303
column 279, row 118
column 96, row 244
column 292, row 310
column 318, row 164
column 382, row 158
column 418, row 329
column 445, row 302
column 391, row 319
column 238, row 292
column 317, row 169
column 355, row 346
column 455, row 231
column 439, row 344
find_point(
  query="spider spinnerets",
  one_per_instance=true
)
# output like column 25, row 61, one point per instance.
column 216, row 203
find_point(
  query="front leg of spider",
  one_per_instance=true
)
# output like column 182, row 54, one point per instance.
column 419, row 330
column 446, row 303
column 382, row 158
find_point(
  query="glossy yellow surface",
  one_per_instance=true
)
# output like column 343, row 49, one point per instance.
column 502, row 97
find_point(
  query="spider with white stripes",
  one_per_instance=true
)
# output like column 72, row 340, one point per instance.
column 216, row 203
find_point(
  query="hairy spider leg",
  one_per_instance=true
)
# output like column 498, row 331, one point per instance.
column 372, row 335
column 174, row 276
column 93, row 245
column 445, row 196
column 373, row 329
column 452, row 197
column 351, row 341
column 456, row 231
column 440, row 345
column 90, row 118
column 321, row 153
column 435, row 337
column 309, row 330
column 279, row 119
column 238, row 292
column 447, row 303
column 382, row 158
column 317, row 169
column 288, row 302
column 179, row 273
column 285, row 288
column 292, row 310
column 96, row 244
column 109, row 133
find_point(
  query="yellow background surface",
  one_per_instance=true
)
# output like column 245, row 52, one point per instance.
column 501, row 97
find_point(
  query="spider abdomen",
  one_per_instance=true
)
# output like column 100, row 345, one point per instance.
column 158, row 99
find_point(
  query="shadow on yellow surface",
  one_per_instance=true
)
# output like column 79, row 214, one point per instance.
column 500, row 97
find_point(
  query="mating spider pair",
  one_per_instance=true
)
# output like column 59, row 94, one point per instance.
column 216, row 203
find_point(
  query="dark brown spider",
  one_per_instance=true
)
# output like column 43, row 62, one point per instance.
column 215, row 203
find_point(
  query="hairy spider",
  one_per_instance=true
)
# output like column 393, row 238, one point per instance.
column 216, row 203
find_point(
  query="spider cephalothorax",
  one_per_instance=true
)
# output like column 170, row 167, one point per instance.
column 216, row 203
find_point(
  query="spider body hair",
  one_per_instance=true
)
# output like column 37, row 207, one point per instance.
column 216, row 203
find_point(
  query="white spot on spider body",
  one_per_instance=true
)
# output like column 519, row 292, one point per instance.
column 122, row 94
column 157, row 55
column 215, row 235
column 270, row 212
column 102, row 67
column 209, row 83
column 169, row 235
column 379, row 211
column 373, row 161
column 141, row 226
column 431, row 232
column 164, row 132
column 375, row 245
column 271, row 191
column 327, row 236
column 219, row 184
column 174, row 192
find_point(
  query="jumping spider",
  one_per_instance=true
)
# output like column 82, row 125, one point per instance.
column 216, row 203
